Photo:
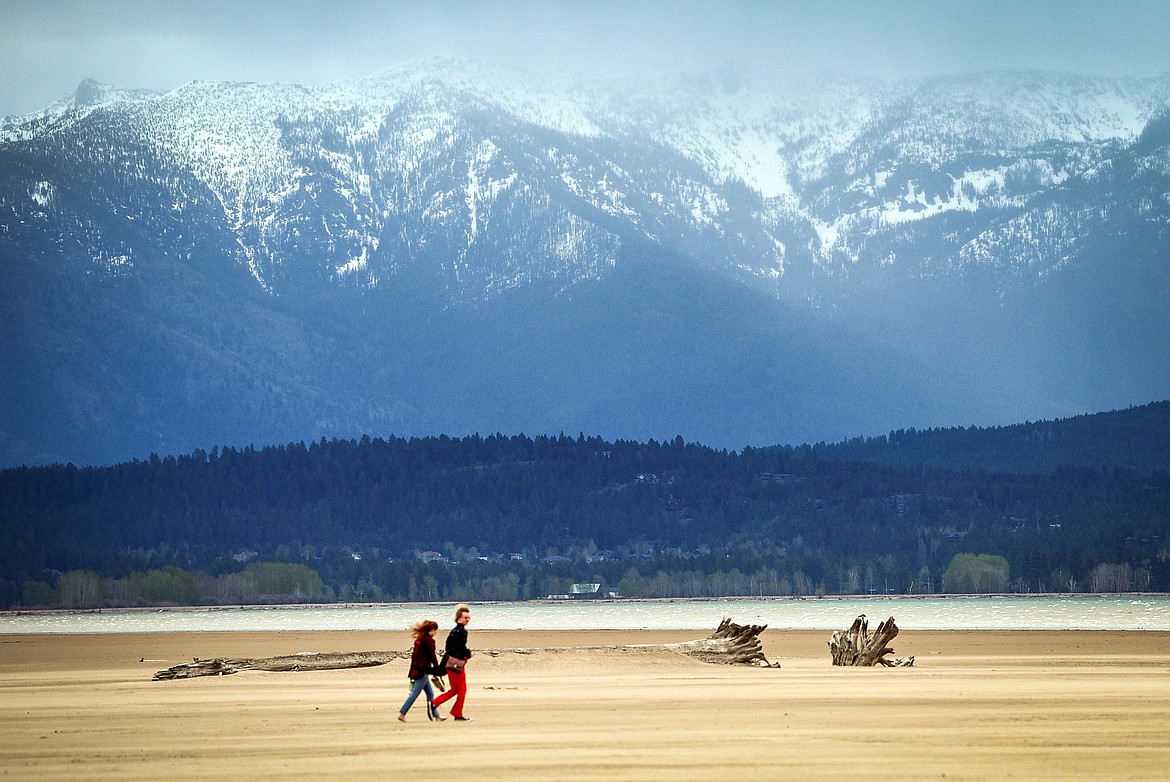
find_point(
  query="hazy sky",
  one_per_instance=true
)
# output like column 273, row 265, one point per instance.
column 48, row 46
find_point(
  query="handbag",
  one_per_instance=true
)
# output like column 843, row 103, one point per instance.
column 455, row 664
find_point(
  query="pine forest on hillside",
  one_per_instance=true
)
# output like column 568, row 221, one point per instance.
column 1076, row 505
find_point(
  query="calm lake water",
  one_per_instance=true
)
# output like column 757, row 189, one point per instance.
column 1118, row 612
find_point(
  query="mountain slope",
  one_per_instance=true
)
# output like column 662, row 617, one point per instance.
column 441, row 248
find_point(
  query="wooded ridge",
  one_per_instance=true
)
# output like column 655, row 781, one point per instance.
column 517, row 517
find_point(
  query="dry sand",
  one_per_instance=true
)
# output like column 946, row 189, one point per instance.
column 977, row 705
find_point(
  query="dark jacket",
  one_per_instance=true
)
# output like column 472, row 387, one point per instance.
column 422, row 659
column 457, row 644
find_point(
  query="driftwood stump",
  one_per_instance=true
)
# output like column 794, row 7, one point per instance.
column 730, row 644
column 856, row 646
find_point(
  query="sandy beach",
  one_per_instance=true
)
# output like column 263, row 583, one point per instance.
column 977, row 705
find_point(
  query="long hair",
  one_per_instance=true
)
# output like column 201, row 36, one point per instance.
column 424, row 627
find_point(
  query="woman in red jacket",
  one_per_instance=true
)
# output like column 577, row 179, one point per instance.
column 422, row 664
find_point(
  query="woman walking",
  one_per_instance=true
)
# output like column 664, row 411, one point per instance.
column 455, row 658
column 422, row 665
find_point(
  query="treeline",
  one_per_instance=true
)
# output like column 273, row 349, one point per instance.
column 260, row 583
column 1133, row 438
column 514, row 517
column 667, row 575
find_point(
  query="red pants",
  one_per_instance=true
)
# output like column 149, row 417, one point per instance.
column 458, row 690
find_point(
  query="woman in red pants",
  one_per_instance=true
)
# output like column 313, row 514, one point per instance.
column 454, row 659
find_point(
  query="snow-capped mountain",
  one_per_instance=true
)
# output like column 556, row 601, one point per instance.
column 936, row 246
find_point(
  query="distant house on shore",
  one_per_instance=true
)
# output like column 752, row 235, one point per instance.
column 585, row 591
column 580, row 592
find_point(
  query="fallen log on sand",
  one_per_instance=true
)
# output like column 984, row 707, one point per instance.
column 305, row 661
column 730, row 644
column 856, row 646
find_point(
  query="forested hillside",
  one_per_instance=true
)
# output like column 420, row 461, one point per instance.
column 1137, row 438
column 1086, row 507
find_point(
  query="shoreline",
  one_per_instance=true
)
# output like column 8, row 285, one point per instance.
column 7, row 612
column 1082, row 611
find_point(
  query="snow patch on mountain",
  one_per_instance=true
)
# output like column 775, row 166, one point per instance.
column 42, row 194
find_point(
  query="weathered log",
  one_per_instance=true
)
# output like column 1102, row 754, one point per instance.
column 730, row 644
column 305, row 661
column 856, row 646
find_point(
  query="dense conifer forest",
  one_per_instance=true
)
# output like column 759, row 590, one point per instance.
column 1081, row 504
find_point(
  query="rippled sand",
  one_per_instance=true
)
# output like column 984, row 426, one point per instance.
column 977, row 705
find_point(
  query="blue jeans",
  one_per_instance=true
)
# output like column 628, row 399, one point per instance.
column 417, row 686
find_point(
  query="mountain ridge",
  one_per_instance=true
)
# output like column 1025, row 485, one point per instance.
column 213, row 134
column 950, row 226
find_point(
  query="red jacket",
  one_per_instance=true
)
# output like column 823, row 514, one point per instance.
column 422, row 660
